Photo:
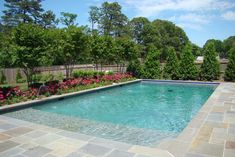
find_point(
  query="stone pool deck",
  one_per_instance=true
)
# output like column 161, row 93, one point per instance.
column 210, row 133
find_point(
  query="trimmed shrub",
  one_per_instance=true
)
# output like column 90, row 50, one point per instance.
column 151, row 68
column 210, row 66
column 230, row 71
column 187, row 68
column 135, row 68
column 87, row 74
column 171, row 68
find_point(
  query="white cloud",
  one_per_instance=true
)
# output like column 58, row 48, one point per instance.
column 191, row 20
column 152, row 7
column 229, row 15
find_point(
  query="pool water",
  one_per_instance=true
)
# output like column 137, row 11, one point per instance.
column 145, row 106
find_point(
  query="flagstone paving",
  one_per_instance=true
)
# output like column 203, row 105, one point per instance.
column 210, row 133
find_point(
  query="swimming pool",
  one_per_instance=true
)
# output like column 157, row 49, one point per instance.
column 143, row 113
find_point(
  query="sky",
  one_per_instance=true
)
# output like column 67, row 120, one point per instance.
column 200, row 19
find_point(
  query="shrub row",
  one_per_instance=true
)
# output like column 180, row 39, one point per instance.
column 9, row 95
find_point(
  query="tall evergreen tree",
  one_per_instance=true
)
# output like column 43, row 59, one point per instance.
column 171, row 69
column 24, row 11
column 230, row 71
column 151, row 68
column 187, row 69
column 210, row 67
column 94, row 16
column 68, row 19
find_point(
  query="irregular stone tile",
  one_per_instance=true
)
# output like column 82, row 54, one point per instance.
column 18, row 131
column 35, row 134
column 217, row 141
column 75, row 154
column 7, row 145
column 11, row 152
column 28, row 145
column 72, row 142
column 75, row 135
column 209, row 149
column 230, row 145
column 231, row 130
column 50, row 155
column 118, row 153
column 194, row 155
column 7, row 126
column 61, row 149
column 178, row 148
column 96, row 150
column 4, row 137
column 110, row 143
column 46, row 139
column 139, row 155
column 36, row 152
column 147, row 151
column 229, row 153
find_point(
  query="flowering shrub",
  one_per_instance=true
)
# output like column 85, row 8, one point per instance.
column 54, row 87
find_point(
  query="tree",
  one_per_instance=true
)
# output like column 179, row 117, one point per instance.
column 228, row 44
column 112, row 21
column 49, row 20
column 94, row 16
column 230, row 71
column 218, row 45
column 30, row 48
column 135, row 68
column 25, row 11
column 151, row 68
column 70, row 45
column 126, row 52
column 137, row 28
column 171, row 69
column 68, row 19
column 210, row 67
column 187, row 68
column 196, row 50
column 163, row 34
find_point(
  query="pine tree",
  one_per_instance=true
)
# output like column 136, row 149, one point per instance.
column 230, row 71
column 210, row 67
column 171, row 69
column 187, row 69
column 151, row 68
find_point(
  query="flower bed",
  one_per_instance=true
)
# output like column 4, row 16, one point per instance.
column 11, row 95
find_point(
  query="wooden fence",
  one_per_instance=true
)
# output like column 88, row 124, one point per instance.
column 10, row 73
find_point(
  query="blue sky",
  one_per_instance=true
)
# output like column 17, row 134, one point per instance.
column 200, row 19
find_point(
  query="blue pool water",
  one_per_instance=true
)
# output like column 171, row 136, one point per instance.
column 153, row 106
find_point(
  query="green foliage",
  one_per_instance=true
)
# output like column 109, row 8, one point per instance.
column 210, row 67
column 230, row 71
column 171, row 69
column 37, row 77
column 218, row 46
column 19, row 78
column 228, row 44
column 135, row 68
column 163, row 34
column 31, row 46
column 59, row 76
column 151, row 69
column 47, row 77
column 2, row 78
column 68, row 19
column 69, row 45
column 137, row 28
column 187, row 69
column 87, row 73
